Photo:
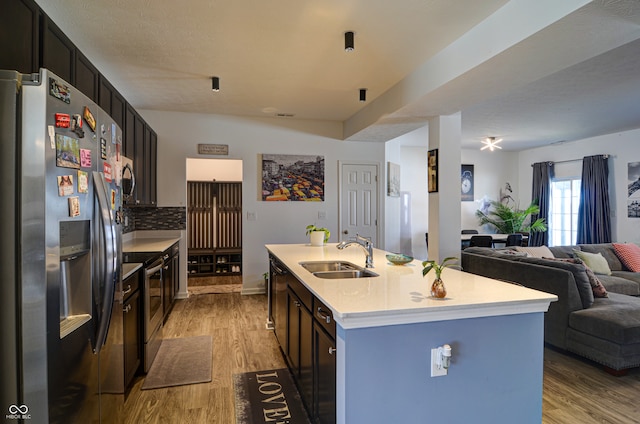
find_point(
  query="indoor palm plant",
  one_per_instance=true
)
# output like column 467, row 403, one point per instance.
column 437, row 287
column 510, row 219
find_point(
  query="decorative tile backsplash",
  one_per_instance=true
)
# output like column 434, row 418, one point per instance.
column 167, row 218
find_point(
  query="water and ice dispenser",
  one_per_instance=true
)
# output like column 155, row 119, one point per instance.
column 75, row 275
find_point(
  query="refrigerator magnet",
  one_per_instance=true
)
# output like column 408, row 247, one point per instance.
column 74, row 206
column 103, row 148
column 85, row 158
column 67, row 152
column 76, row 125
column 89, row 119
column 107, row 172
column 63, row 120
column 59, row 91
column 65, row 185
column 113, row 133
column 83, row 182
column 52, row 136
column 113, row 199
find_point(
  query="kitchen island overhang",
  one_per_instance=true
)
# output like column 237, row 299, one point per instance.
column 387, row 326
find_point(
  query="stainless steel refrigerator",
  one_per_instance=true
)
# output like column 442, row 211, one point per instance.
column 61, row 250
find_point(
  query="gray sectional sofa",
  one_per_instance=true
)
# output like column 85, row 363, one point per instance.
column 603, row 329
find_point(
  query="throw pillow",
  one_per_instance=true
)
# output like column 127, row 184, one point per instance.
column 595, row 261
column 596, row 284
column 629, row 255
column 536, row 251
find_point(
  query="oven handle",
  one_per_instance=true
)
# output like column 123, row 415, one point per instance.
column 154, row 268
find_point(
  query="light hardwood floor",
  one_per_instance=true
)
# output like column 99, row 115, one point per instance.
column 575, row 391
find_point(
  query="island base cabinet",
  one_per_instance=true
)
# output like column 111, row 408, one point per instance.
column 324, row 402
column 299, row 352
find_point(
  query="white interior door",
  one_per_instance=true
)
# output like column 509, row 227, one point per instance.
column 359, row 201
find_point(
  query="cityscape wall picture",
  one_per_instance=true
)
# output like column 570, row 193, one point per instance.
column 292, row 178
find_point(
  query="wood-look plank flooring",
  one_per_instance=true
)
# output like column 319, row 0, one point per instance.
column 575, row 390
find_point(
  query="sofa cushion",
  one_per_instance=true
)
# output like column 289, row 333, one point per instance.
column 595, row 261
column 629, row 255
column 572, row 265
column 596, row 285
column 616, row 318
column 619, row 284
column 536, row 251
column 606, row 249
column 563, row 251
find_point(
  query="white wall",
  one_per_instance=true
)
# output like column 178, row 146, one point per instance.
column 492, row 170
column 276, row 222
column 623, row 148
column 224, row 170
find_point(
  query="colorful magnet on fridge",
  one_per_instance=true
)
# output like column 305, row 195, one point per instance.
column 108, row 175
column 113, row 133
column 63, row 120
column 76, row 125
column 85, row 158
column 89, row 119
column 74, row 206
column 67, row 152
column 59, row 91
column 52, row 136
column 83, row 182
column 113, row 200
column 65, row 185
column 103, row 148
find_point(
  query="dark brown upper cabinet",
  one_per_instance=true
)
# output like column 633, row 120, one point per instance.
column 58, row 52
column 87, row 76
column 20, row 36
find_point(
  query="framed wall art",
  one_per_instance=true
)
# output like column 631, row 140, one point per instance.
column 432, row 171
column 466, row 183
column 633, row 189
column 292, row 178
column 393, row 179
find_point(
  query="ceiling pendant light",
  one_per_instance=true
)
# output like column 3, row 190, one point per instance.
column 491, row 143
column 348, row 41
column 215, row 84
column 363, row 94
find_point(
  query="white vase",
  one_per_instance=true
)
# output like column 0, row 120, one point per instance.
column 316, row 238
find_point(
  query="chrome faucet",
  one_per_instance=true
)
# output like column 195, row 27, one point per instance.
column 365, row 243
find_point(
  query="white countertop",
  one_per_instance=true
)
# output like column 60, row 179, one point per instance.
column 130, row 268
column 400, row 295
column 148, row 244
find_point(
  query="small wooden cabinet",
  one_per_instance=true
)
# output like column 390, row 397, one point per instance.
column 132, row 327
column 214, row 262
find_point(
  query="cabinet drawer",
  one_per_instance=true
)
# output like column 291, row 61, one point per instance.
column 324, row 317
column 301, row 291
column 131, row 284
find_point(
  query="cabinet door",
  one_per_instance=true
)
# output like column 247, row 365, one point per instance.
column 132, row 336
column 129, row 139
column 167, row 286
column 117, row 110
column 20, row 36
column 138, row 160
column 176, row 275
column 58, row 52
column 324, row 408
column 105, row 91
column 300, row 347
column 153, row 166
column 87, row 77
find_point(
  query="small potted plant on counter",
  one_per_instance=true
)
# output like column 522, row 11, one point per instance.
column 318, row 236
column 438, row 290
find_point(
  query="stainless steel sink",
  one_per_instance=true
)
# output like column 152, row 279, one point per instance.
column 336, row 269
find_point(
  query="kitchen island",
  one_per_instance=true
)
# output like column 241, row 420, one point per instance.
column 387, row 325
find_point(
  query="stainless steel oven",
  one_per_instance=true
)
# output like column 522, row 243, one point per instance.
column 153, row 310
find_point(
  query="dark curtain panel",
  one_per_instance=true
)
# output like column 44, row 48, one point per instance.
column 594, row 213
column 541, row 194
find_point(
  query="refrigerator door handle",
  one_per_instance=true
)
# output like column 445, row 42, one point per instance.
column 108, row 256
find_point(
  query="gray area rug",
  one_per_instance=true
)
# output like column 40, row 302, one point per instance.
column 268, row 397
column 181, row 361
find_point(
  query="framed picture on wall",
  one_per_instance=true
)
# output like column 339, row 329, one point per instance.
column 287, row 178
column 466, row 183
column 432, row 171
column 393, row 179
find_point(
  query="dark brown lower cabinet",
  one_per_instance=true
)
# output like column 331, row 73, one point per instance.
column 324, row 401
column 132, row 331
column 299, row 352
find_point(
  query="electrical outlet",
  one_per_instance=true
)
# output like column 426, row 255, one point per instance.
column 251, row 216
column 322, row 215
column 436, row 371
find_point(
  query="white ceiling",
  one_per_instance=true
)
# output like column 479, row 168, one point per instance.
column 574, row 75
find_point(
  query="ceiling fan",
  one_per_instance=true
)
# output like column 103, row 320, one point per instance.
column 491, row 143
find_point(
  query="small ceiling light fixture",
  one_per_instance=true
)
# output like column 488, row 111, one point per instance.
column 215, row 84
column 348, row 41
column 491, row 143
column 363, row 94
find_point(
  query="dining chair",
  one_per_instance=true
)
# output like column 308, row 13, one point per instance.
column 514, row 240
column 481, row 241
column 465, row 243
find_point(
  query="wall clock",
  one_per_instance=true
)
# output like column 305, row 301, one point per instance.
column 466, row 183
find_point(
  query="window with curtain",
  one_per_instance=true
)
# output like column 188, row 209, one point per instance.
column 565, row 201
